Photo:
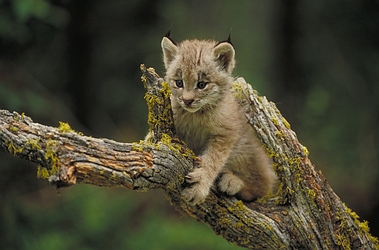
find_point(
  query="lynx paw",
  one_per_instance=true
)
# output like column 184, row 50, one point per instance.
column 199, row 187
column 230, row 184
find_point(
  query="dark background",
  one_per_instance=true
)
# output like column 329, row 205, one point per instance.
column 78, row 62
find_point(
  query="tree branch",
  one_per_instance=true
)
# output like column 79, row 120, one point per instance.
column 305, row 213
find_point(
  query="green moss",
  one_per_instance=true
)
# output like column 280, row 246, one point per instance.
column 51, row 156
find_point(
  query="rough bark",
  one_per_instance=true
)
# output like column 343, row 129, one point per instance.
column 305, row 213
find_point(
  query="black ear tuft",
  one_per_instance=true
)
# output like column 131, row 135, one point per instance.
column 228, row 40
column 168, row 36
column 168, row 33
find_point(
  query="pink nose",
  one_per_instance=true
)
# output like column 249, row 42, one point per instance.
column 188, row 102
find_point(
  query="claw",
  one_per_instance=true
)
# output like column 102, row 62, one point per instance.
column 197, row 162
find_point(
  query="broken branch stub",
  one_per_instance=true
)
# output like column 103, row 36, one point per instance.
column 160, row 117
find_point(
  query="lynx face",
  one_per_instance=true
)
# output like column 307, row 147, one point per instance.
column 198, row 72
column 196, row 93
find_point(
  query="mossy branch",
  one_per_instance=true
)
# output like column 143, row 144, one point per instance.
column 305, row 213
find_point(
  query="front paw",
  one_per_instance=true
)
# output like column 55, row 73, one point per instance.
column 198, row 188
column 195, row 194
column 230, row 184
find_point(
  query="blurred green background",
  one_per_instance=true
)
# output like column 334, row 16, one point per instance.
column 78, row 62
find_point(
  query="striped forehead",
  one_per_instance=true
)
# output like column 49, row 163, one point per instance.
column 195, row 52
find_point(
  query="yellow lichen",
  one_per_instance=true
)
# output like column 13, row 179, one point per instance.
column 166, row 91
column 64, row 127
column 12, row 148
column 13, row 129
column 42, row 173
column 237, row 206
column 138, row 146
column 311, row 194
column 34, row 143
column 279, row 134
column 275, row 121
column 50, row 154
column 280, row 193
column 363, row 227
column 238, row 90
column 295, row 163
column 343, row 234
column 298, row 177
column 167, row 140
column 114, row 176
column 305, row 150
column 286, row 123
column 151, row 101
column 143, row 79
column 271, row 153
column 289, row 190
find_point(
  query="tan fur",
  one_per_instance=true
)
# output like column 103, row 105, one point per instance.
column 213, row 124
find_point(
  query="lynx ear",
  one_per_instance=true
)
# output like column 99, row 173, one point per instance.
column 169, row 51
column 224, row 55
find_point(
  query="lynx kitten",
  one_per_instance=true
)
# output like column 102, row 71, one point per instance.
column 211, row 122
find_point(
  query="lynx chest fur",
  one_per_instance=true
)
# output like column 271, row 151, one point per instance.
column 208, row 118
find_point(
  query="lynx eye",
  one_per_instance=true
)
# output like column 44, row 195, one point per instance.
column 179, row 83
column 201, row 85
